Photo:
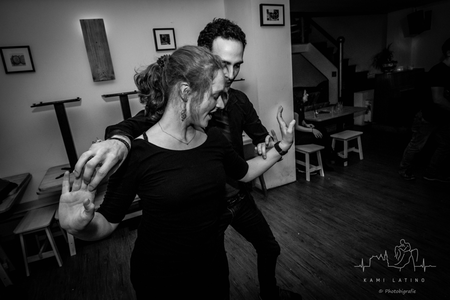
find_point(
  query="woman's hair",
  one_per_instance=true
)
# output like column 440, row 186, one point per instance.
column 194, row 65
column 223, row 28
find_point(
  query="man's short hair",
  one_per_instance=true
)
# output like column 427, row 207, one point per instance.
column 223, row 28
column 446, row 47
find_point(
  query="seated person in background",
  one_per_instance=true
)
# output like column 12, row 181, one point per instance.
column 179, row 172
column 310, row 134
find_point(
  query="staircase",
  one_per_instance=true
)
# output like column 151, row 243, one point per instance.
column 307, row 36
column 322, row 64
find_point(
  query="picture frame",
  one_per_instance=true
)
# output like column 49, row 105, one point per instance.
column 17, row 59
column 164, row 39
column 271, row 14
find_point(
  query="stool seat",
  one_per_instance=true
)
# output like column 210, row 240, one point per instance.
column 346, row 136
column 34, row 221
column 308, row 149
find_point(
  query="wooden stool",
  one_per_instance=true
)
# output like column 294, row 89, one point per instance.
column 347, row 136
column 307, row 150
column 34, row 221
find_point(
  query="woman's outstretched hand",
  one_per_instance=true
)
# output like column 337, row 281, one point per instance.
column 76, row 207
column 287, row 132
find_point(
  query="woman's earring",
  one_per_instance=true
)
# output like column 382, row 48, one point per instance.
column 183, row 114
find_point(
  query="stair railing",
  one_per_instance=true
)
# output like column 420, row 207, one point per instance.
column 302, row 20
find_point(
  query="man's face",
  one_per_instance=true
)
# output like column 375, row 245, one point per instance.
column 232, row 54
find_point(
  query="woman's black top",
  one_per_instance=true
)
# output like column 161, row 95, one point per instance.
column 181, row 196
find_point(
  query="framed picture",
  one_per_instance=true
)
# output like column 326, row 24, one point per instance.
column 17, row 59
column 164, row 39
column 271, row 14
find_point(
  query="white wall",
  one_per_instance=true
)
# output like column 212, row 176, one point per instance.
column 30, row 139
column 268, row 73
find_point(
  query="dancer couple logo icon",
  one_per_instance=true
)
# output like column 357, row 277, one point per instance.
column 404, row 255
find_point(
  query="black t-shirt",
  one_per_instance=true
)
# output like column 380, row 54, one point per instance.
column 438, row 76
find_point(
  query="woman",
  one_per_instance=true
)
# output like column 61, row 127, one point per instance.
column 306, row 133
column 179, row 173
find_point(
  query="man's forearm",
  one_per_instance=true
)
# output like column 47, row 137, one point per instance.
column 118, row 133
column 131, row 128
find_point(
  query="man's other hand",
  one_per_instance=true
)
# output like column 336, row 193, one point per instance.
column 102, row 159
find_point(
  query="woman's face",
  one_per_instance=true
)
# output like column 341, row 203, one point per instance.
column 202, row 113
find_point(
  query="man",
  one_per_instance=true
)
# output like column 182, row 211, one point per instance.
column 433, row 119
column 225, row 39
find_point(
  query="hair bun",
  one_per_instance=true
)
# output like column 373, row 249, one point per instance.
column 162, row 60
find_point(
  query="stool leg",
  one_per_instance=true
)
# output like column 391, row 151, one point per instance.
column 4, row 258
column 345, row 152
column 72, row 248
column 360, row 150
column 63, row 232
column 333, row 143
column 307, row 167
column 53, row 244
column 24, row 254
column 4, row 276
column 319, row 160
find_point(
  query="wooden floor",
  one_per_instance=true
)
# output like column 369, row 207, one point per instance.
column 338, row 236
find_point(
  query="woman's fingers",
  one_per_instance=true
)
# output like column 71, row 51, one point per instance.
column 280, row 113
column 280, row 119
column 286, row 130
column 274, row 135
column 291, row 126
column 66, row 183
column 88, row 205
column 78, row 181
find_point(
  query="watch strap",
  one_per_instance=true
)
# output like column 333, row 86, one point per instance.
column 278, row 148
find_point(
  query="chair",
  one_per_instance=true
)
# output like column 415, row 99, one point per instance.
column 346, row 136
column 34, row 221
column 307, row 150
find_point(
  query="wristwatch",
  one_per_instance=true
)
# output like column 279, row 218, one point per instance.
column 278, row 148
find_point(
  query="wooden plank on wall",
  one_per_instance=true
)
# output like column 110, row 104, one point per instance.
column 97, row 49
